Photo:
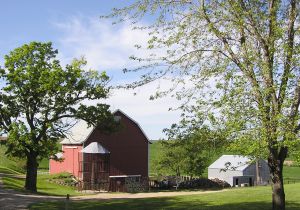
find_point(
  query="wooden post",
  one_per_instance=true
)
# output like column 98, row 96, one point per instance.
column 67, row 202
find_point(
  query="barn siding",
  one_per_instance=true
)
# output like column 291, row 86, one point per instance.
column 128, row 147
column 70, row 163
column 264, row 171
column 223, row 175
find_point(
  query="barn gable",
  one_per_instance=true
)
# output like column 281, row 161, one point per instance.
column 80, row 132
column 118, row 112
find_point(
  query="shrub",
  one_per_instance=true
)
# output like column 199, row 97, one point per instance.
column 64, row 178
column 203, row 183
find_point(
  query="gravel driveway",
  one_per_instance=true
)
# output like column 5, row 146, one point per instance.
column 11, row 199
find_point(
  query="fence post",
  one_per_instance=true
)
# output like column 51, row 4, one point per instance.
column 67, row 202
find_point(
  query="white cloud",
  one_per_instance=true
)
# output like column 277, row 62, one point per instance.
column 152, row 115
column 107, row 46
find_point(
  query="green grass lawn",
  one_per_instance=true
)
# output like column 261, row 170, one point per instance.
column 13, row 180
column 234, row 199
column 291, row 173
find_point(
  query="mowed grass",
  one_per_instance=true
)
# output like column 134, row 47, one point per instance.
column 291, row 173
column 15, row 180
column 234, row 199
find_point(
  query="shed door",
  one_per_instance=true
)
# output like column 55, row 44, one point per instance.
column 236, row 181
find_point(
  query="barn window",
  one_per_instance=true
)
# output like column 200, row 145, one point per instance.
column 117, row 118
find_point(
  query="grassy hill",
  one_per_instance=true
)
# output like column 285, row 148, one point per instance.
column 291, row 173
column 155, row 151
column 18, row 164
column 9, row 162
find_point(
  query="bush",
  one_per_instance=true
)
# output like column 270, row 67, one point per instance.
column 64, row 178
column 203, row 183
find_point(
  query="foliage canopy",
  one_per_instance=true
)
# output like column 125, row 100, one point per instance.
column 39, row 98
column 236, row 60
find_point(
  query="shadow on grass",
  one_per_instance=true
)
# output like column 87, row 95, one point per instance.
column 186, row 190
column 158, row 203
column 44, row 188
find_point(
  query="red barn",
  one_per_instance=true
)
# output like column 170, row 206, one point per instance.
column 105, row 161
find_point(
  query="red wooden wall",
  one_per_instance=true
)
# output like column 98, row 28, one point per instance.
column 70, row 163
column 128, row 148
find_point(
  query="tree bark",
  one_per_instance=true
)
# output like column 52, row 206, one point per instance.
column 278, row 195
column 31, row 175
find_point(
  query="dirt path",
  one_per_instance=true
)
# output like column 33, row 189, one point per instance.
column 12, row 200
column 139, row 195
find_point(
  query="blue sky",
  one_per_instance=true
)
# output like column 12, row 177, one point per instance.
column 75, row 29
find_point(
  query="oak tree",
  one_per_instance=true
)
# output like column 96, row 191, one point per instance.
column 39, row 98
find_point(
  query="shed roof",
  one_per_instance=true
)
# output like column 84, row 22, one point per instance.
column 80, row 132
column 231, row 162
column 95, row 148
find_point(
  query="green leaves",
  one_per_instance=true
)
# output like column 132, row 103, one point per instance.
column 40, row 97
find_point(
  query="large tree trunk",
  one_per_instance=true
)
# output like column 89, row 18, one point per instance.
column 278, row 195
column 31, row 175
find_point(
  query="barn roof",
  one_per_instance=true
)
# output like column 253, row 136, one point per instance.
column 231, row 162
column 95, row 148
column 80, row 132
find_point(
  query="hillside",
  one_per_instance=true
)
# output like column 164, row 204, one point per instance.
column 9, row 162
column 291, row 173
column 16, row 163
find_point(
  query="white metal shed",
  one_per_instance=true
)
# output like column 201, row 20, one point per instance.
column 239, row 170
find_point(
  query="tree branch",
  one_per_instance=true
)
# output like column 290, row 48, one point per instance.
column 296, row 102
column 289, row 54
column 250, row 74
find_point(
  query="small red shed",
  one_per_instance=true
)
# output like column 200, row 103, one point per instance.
column 109, row 160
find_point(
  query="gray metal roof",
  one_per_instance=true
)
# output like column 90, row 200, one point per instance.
column 231, row 162
column 80, row 132
column 95, row 148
